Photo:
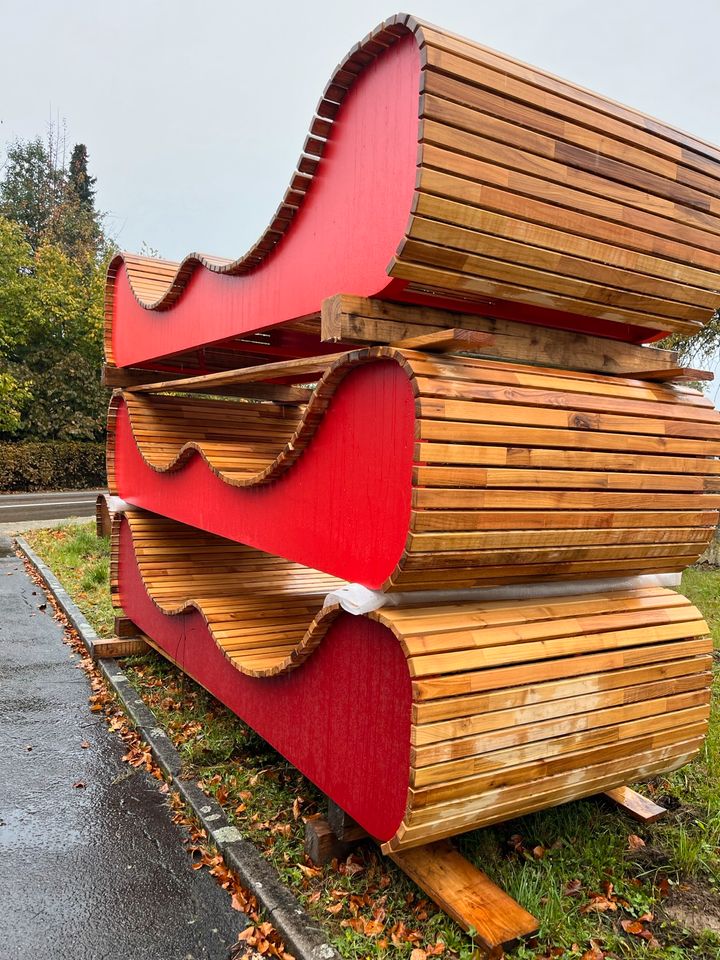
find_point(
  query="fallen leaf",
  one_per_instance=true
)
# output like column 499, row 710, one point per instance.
column 599, row 904
column 418, row 954
column 79, row 784
column 84, row 744
column 635, row 842
column 573, row 888
column 632, row 926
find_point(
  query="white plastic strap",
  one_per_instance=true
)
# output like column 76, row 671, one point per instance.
column 356, row 599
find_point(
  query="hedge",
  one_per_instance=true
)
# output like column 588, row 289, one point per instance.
column 51, row 465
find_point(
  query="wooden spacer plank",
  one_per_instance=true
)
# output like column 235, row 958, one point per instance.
column 467, row 895
column 125, row 629
column 117, row 647
column 636, row 805
column 343, row 825
column 321, row 844
column 447, row 341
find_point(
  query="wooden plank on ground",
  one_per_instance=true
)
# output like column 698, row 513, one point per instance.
column 352, row 319
column 467, row 895
column 636, row 805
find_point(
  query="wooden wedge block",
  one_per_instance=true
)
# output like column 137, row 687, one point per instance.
column 103, row 520
column 467, row 895
column 675, row 374
column 447, row 341
column 636, row 805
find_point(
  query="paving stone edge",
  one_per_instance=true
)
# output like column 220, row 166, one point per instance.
column 303, row 937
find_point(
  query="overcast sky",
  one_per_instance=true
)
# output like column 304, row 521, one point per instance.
column 194, row 113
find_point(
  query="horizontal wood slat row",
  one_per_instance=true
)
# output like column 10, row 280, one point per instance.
column 533, row 190
column 517, row 705
column 522, row 473
column 529, row 190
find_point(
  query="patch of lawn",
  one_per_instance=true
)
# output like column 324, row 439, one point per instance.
column 81, row 562
column 601, row 885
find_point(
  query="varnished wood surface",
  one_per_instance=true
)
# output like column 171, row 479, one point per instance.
column 494, row 919
column 517, row 705
column 522, row 473
column 529, row 190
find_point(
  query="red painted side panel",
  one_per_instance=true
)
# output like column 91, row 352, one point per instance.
column 342, row 718
column 342, row 239
column 343, row 507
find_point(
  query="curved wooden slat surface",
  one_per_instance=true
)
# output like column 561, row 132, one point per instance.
column 515, row 705
column 518, row 473
column 532, row 198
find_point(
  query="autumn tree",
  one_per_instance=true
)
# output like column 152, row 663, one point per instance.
column 52, row 204
column 53, row 255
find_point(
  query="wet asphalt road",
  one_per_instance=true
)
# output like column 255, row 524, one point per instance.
column 94, row 873
column 19, row 507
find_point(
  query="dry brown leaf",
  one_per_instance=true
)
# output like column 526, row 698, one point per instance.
column 635, row 842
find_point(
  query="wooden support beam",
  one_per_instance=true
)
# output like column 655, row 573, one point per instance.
column 636, row 805
column 351, row 319
column 467, row 895
column 447, row 341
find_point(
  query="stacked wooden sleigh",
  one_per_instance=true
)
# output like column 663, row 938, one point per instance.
column 423, row 536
